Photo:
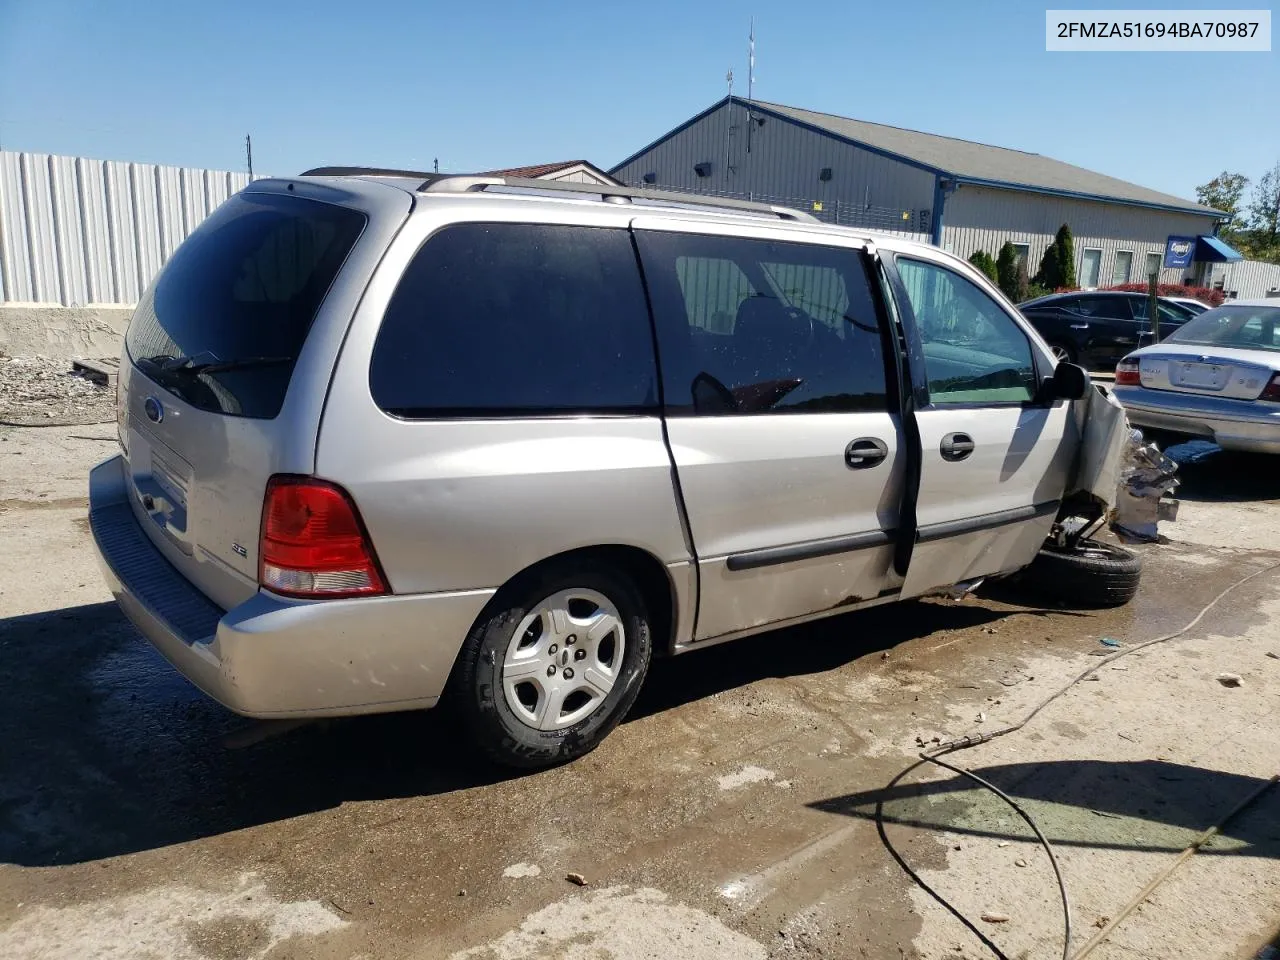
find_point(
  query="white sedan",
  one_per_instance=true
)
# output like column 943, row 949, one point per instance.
column 1217, row 376
column 1188, row 303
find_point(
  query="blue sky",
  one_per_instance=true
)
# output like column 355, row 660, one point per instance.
column 500, row 84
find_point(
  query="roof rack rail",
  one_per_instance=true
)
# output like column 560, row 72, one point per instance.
column 607, row 192
column 372, row 172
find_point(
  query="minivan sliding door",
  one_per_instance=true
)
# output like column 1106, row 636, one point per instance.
column 788, row 454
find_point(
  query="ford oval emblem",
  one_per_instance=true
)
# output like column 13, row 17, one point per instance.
column 154, row 409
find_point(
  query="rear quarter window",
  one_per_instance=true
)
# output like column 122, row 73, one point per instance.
column 241, row 292
column 497, row 320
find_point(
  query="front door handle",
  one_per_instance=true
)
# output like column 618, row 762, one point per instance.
column 865, row 452
column 956, row 446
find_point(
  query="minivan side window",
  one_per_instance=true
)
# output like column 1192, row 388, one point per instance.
column 748, row 326
column 973, row 350
column 517, row 319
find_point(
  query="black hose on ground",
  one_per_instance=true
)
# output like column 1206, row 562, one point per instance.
column 964, row 743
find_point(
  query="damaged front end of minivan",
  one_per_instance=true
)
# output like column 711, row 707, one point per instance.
column 1118, row 482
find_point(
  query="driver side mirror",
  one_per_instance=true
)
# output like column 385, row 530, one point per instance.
column 1069, row 382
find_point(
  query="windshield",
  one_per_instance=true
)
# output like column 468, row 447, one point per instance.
column 226, row 319
column 1249, row 328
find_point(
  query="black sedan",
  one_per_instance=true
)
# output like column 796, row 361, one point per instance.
column 1096, row 329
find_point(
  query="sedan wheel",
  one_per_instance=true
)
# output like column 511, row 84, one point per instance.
column 1060, row 353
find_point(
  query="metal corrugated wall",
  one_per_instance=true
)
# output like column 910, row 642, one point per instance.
column 1248, row 279
column 75, row 231
column 784, row 166
column 982, row 218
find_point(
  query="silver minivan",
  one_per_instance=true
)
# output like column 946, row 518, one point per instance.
column 389, row 438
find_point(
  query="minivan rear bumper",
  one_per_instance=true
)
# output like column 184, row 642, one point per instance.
column 272, row 656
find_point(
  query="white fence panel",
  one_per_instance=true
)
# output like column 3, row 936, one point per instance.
column 69, row 236
column 99, row 275
column 40, row 233
column 120, row 219
column 15, row 251
column 75, row 230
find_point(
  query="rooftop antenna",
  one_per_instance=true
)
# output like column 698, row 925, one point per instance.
column 751, row 78
column 248, row 154
column 728, row 119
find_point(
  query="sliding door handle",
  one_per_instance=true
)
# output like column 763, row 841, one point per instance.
column 956, row 446
column 865, row 452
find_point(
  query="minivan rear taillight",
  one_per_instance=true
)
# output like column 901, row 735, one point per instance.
column 1272, row 390
column 1127, row 373
column 313, row 543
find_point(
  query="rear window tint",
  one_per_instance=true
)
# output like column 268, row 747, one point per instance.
column 243, row 289
column 516, row 319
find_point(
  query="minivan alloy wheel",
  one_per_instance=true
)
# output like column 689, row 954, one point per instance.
column 563, row 659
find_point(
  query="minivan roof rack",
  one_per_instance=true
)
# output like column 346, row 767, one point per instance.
column 371, row 172
column 606, row 192
column 461, row 183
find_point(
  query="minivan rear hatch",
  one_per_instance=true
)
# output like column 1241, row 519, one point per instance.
column 228, row 357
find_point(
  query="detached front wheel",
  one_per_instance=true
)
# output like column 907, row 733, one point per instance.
column 1089, row 574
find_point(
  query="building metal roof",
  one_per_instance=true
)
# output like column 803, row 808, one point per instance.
column 966, row 161
column 540, row 170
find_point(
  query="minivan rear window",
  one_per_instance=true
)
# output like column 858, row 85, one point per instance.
column 224, row 322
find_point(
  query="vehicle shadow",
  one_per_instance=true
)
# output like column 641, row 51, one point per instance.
column 814, row 647
column 1213, row 475
column 108, row 751
column 1145, row 805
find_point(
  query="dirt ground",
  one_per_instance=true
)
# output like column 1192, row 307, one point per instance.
column 754, row 806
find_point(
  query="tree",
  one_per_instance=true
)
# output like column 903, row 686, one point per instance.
column 982, row 260
column 1050, row 273
column 1066, row 257
column 1264, row 211
column 1058, row 268
column 1225, row 192
column 1022, row 284
column 1007, row 272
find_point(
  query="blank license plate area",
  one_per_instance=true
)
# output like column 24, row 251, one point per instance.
column 1201, row 376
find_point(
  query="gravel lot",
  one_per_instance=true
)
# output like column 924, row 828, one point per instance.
column 40, row 391
column 751, row 807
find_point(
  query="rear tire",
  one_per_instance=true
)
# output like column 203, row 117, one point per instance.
column 1094, row 574
column 553, row 664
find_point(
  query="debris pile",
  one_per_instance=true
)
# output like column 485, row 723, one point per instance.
column 40, row 391
column 1147, row 481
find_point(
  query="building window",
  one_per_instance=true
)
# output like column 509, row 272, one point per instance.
column 1090, row 267
column 1022, row 251
column 1153, row 265
column 1122, row 269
